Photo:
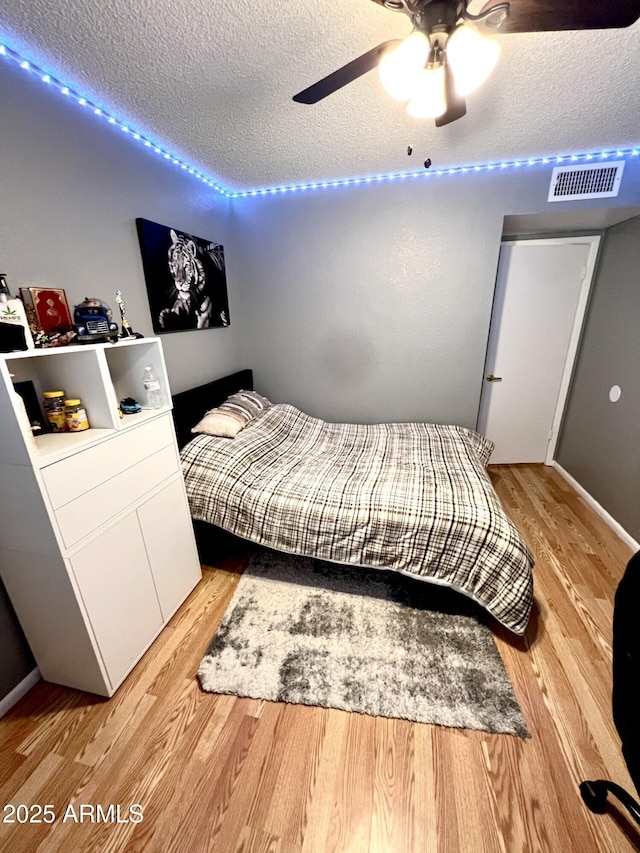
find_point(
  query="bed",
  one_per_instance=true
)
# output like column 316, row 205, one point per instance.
column 411, row 498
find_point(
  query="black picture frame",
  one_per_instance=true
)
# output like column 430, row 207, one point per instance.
column 37, row 420
column 185, row 278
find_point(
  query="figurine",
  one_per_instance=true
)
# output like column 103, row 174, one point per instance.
column 127, row 331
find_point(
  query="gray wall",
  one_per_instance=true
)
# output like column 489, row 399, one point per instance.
column 372, row 302
column 363, row 306
column 71, row 189
column 600, row 441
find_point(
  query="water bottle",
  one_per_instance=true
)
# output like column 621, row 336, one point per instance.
column 152, row 387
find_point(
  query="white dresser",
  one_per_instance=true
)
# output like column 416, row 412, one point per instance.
column 96, row 543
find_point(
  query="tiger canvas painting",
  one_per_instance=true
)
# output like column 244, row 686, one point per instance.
column 185, row 278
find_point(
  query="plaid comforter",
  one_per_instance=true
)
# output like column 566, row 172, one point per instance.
column 411, row 497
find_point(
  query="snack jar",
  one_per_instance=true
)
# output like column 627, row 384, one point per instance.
column 54, row 412
column 75, row 415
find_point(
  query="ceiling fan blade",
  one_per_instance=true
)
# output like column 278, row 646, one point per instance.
column 394, row 5
column 456, row 107
column 531, row 16
column 347, row 74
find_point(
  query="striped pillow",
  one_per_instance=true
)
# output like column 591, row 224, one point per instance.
column 246, row 404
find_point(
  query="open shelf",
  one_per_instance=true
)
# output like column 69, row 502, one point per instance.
column 77, row 370
column 100, row 375
column 126, row 363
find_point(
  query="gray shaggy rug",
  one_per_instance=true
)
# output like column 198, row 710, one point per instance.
column 314, row 633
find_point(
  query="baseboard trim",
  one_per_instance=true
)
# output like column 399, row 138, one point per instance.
column 19, row 691
column 593, row 503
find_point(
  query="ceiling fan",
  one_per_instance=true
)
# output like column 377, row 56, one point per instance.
column 448, row 54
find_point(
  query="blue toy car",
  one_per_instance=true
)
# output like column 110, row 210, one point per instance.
column 129, row 406
column 93, row 321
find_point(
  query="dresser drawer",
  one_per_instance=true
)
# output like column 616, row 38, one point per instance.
column 78, row 518
column 78, row 474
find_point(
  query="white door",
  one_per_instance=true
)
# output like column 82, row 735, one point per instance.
column 540, row 299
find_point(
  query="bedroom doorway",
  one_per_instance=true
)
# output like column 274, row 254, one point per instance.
column 540, row 300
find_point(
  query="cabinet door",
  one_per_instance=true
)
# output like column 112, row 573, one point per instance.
column 117, row 589
column 168, row 535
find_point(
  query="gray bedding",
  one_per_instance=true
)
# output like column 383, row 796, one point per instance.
column 409, row 497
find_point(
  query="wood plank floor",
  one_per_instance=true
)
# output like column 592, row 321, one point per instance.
column 225, row 774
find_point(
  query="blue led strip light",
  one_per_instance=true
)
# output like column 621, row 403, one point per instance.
column 106, row 116
column 51, row 81
column 453, row 170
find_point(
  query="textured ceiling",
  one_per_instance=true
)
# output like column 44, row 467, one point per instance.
column 213, row 82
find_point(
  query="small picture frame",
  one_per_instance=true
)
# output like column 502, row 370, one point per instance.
column 50, row 310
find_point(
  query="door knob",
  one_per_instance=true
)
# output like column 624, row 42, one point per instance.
column 492, row 378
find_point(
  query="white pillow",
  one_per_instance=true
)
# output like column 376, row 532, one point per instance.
column 220, row 422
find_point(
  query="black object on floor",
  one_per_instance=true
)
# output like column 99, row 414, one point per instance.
column 626, row 704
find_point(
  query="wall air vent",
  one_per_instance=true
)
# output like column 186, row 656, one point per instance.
column 599, row 180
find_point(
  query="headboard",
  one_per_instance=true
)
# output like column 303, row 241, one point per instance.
column 189, row 406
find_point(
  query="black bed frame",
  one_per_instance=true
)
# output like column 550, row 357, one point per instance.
column 214, row 544
column 189, row 406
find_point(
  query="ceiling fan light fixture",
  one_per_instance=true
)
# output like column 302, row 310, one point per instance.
column 429, row 101
column 400, row 68
column 472, row 58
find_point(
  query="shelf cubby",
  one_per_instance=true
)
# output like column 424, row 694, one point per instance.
column 100, row 375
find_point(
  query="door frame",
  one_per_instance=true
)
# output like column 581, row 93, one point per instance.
column 593, row 240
